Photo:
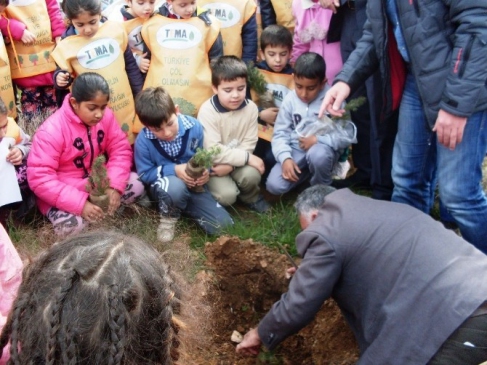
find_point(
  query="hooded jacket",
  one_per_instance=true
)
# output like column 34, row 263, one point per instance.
column 62, row 154
column 447, row 45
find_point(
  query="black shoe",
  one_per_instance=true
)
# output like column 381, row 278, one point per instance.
column 260, row 205
column 352, row 182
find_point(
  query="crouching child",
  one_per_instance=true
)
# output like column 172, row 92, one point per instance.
column 162, row 150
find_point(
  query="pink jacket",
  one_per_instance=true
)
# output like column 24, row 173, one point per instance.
column 62, row 154
column 17, row 29
column 10, row 278
column 311, row 28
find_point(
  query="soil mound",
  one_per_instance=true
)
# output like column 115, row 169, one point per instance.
column 246, row 279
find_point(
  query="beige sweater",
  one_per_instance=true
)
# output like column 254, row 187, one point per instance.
column 234, row 131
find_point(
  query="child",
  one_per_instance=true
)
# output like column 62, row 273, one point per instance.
column 19, row 148
column 299, row 158
column 98, row 298
column 7, row 91
column 162, row 151
column 32, row 29
column 134, row 15
column 101, row 48
column 312, row 23
column 239, row 26
column 230, row 122
column 10, row 278
column 277, row 12
column 63, row 151
column 276, row 43
column 182, row 41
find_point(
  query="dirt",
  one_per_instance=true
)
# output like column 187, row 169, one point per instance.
column 244, row 280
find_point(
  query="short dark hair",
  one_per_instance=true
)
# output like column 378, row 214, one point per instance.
column 227, row 68
column 87, row 85
column 98, row 298
column 154, row 106
column 3, row 107
column 310, row 65
column 73, row 8
column 276, row 35
column 4, row 2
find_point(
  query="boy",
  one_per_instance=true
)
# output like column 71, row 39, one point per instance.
column 162, row 149
column 276, row 43
column 230, row 121
column 182, row 40
column 239, row 26
column 299, row 158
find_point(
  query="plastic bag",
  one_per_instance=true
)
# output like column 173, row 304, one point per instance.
column 344, row 130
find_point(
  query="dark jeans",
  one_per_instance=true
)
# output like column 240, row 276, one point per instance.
column 466, row 346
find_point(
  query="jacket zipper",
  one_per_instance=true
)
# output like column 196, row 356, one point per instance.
column 91, row 146
column 466, row 56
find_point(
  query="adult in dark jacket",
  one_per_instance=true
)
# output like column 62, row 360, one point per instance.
column 408, row 287
column 443, row 105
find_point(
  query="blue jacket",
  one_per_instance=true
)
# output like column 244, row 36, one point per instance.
column 447, row 44
column 152, row 162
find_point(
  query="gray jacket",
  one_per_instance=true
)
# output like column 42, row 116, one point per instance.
column 403, row 282
column 447, row 44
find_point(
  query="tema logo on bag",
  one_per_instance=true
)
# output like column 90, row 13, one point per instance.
column 135, row 38
column 226, row 14
column 99, row 54
column 278, row 92
column 178, row 36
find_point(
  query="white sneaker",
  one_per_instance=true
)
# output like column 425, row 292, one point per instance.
column 340, row 170
column 165, row 231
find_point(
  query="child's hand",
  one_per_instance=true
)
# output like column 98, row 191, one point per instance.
column 28, row 37
column 180, row 171
column 269, row 115
column 15, row 156
column 307, row 142
column 290, row 170
column 257, row 162
column 144, row 63
column 113, row 200
column 203, row 179
column 221, row 170
column 62, row 79
column 91, row 212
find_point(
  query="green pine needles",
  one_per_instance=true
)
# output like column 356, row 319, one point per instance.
column 98, row 181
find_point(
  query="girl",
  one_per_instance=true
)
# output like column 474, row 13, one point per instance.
column 310, row 35
column 63, row 152
column 182, row 43
column 98, row 298
column 19, row 147
column 10, row 278
column 103, row 48
column 32, row 28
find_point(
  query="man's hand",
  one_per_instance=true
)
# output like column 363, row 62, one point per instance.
column 449, row 129
column 91, row 212
column 334, row 99
column 306, row 143
column 15, row 156
column 28, row 37
column 221, row 170
column 250, row 344
column 290, row 170
column 256, row 162
column 144, row 63
column 269, row 115
column 330, row 4
column 114, row 200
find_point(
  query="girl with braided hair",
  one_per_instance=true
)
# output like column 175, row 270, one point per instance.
column 97, row 298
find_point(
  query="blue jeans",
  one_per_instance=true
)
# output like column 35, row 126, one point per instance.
column 418, row 160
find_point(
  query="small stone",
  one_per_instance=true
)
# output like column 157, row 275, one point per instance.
column 236, row 337
column 263, row 263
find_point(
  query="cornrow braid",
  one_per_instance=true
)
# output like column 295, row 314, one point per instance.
column 116, row 323
column 55, row 316
column 11, row 329
column 68, row 345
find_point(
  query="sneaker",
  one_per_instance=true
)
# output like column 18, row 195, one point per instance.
column 340, row 170
column 165, row 231
column 259, row 206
